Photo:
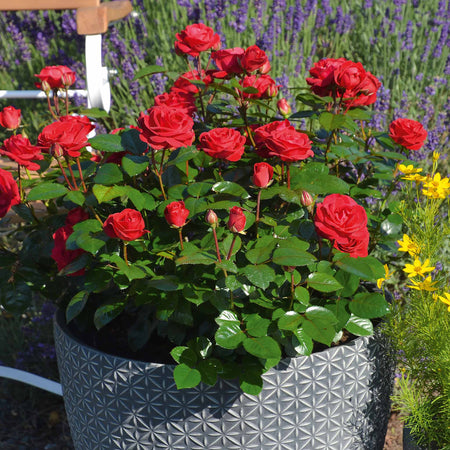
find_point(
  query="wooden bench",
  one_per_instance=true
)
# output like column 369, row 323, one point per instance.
column 93, row 19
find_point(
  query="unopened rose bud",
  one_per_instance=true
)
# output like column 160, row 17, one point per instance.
column 288, row 268
column 284, row 107
column 56, row 150
column 265, row 68
column 262, row 174
column 45, row 86
column 236, row 222
column 272, row 90
column 307, row 200
column 211, row 217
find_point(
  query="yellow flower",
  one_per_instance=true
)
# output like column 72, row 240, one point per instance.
column 408, row 245
column 409, row 169
column 414, row 177
column 387, row 275
column 417, row 268
column 436, row 187
column 436, row 156
column 445, row 299
column 425, row 285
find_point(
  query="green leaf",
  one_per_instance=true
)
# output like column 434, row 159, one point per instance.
column 302, row 343
column 134, row 164
column 199, row 189
column 228, row 187
column 208, row 369
column 323, row 282
column 263, row 347
column 198, row 256
column 310, row 99
column 359, row 326
column 89, row 243
column 105, row 194
column 349, row 282
column 290, row 320
column 229, row 335
column 225, row 245
column 256, row 325
column 110, row 143
column 131, row 142
column 319, row 324
column 76, row 197
column 293, row 242
column 259, row 275
column 176, row 353
column 140, row 199
column 302, row 295
column 148, row 70
column 46, row 191
column 186, row 377
column 369, row 305
column 76, row 305
column 92, row 225
column 331, row 121
column 106, row 313
column 108, row 174
column 94, row 113
column 164, row 283
column 319, row 183
column 292, row 257
column 368, row 268
column 132, row 271
column 250, row 381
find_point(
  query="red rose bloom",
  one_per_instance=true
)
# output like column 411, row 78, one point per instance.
column 176, row 214
column 62, row 256
column 185, row 102
column 266, row 86
column 227, row 61
column 56, row 77
column 20, row 150
column 339, row 218
column 127, row 225
column 322, row 76
column 253, row 59
column 196, row 38
column 166, row 128
column 183, row 84
column 349, row 75
column 10, row 117
column 262, row 174
column 76, row 215
column 365, row 93
column 409, row 133
column 236, row 221
column 9, row 192
column 222, row 143
column 69, row 132
column 282, row 140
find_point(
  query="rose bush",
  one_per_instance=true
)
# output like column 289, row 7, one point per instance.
column 231, row 236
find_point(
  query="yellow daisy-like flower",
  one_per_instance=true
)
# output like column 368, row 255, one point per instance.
column 414, row 177
column 445, row 299
column 436, row 187
column 417, row 268
column 387, row 275
column 408, row 245
column 436, row 156
column 426, row 285
column 409, row 169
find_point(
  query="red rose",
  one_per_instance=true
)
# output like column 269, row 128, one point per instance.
column 56, row 77
column 76, row 215
column 356, row 245
column 262, row 174
column 340, row 218
column 176, row 214
column 349, row 75
column 166, row 128
column 62, row 256
column 10, row 117
column 9, row 192
column 253, row 59
column 196, row 38
column 127, row 225
column 183, row 84
column 185, row 102
column 227, row 61
column 282, row 140
column 284, row 108
column 236, row 221
column 322, row 76
column 19, row 149
column 409, row 133
column 365, row 93
column 266, row 86
column 69, row 132
column 222, row 143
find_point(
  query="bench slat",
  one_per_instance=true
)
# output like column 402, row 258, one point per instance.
column 8, row 5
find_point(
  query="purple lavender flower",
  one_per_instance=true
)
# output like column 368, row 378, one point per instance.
column 22, row 47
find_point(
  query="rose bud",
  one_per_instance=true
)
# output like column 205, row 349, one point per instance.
column 288, row 268
column 176, row 214
column 284, row 108
column 127, row 225
column 236, row 221
column 56, row 150
column 211, row 217
column 306, row 199
column 262, row 174
column 10, row 118
column 265, row 68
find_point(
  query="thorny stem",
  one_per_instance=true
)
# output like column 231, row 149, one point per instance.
column 95, row 215
column 180, row 234
column 56, row 101
column 161, row 185
column 125, row 254
column 258, row 206
column 49, row 104
column 67, row 101
column 71, row 173
column 216, row 242
column 20, row 183
column 231, row 247
column 288, row 172
column 64, row 173
column 81, row 175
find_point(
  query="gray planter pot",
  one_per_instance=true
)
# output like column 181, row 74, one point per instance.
column 335, row 399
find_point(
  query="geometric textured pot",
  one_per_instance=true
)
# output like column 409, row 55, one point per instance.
column 336, row 399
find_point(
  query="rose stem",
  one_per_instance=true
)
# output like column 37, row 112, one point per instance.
column 292, row 291
column 187, row 170
column 71, row 173
column 64, row 173
column 217, row 246
column 56, row 101
column 20, row 183
column 81, row 175
column 231, row 247
column 181, row 237
column 258, row 204
column 67, row 101
column 49, row 104
column 288, row 173
column 125, row 254
column 162, row 162
column 161, row 185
